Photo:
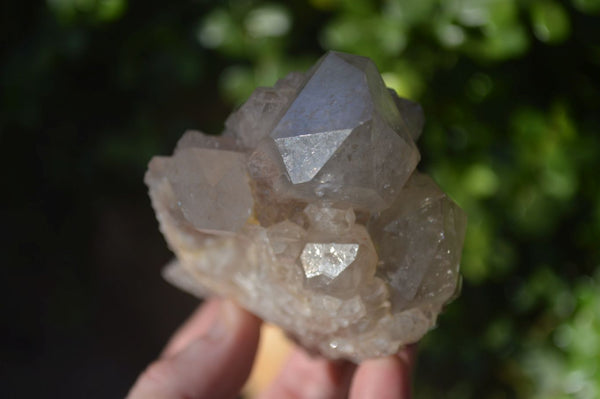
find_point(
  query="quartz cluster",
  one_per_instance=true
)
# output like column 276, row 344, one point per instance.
column 309, row 212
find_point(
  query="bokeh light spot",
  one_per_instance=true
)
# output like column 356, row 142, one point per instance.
column 268, row 21
column 481, row 181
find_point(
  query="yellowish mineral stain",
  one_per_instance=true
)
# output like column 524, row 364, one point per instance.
column 273, row 350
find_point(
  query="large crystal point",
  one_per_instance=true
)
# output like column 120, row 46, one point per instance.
column 342, row 138
column 308, row 211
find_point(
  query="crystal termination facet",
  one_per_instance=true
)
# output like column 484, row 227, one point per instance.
column 309, row 212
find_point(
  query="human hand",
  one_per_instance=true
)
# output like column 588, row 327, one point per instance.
column 211, row 355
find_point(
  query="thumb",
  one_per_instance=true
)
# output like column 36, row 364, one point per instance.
column 213, row 364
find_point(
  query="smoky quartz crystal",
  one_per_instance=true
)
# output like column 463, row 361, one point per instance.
column 309, row 211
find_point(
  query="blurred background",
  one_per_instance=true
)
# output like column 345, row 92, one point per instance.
column 90, row 90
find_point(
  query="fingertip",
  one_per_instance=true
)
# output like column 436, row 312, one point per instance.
column 385, row 378
column 194, row 327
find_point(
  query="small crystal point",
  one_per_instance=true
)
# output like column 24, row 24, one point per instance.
column 198, row 174
column 412, row 115
column 308, row 211
column 327, row 259
column 418, row 237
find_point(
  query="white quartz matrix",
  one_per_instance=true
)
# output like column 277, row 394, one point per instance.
column 308, row 211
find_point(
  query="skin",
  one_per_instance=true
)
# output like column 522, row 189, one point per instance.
column 211, row 355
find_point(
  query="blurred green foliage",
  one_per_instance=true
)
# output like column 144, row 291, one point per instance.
column 511, row 92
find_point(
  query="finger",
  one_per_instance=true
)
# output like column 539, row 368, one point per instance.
column 385, row 378
column 194, row 327
column 214, row 363
column 305, row 377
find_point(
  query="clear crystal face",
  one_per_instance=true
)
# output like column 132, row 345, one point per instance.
column 199, row 173
column 305, row 155
column 331, row 100
column 308, row 211
column 327, row 259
